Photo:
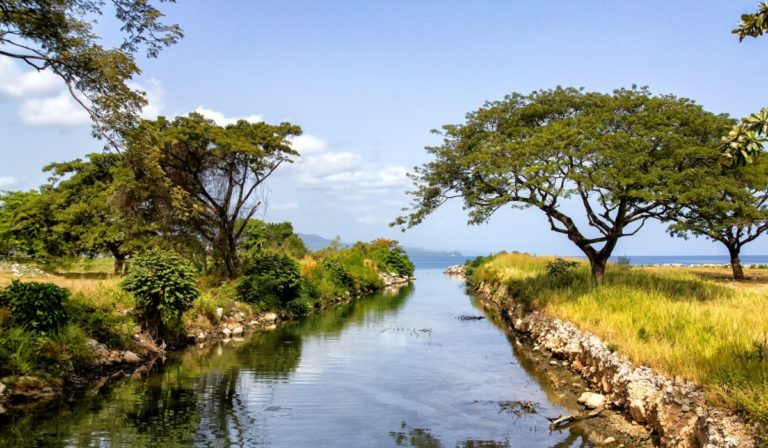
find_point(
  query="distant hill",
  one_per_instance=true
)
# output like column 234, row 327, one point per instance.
column 317, row 242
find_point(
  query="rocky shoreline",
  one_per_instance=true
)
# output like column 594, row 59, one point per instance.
column 21, row 394
column 673, row 410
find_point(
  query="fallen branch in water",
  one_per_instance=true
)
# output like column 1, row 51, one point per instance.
column 556, row 422
column 468, row 317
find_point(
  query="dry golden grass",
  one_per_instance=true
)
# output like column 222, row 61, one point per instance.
column 693, row 322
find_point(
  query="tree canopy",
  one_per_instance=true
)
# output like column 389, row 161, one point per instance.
column 730, row 207
column 57, row 36
column 620, row 156
column 202, row 181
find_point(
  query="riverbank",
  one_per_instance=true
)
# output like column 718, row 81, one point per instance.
column 103, row 343
column 678, row 326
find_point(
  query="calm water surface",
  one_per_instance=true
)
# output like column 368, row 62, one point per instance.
column 391, row 370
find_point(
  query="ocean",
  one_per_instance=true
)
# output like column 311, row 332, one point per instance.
column 635, row 260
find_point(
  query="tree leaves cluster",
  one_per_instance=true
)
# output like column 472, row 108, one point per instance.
column 57, row 36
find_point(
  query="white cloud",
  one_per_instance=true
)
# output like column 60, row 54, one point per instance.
column 8, row 181
column 323, row 165
column 308, row 144
column 365, row 180
column 223, row 120
column 59, row 110
column 16, row 83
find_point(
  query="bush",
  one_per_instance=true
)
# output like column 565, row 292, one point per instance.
column 102, row 323
column 398, row 262
column 337, row 273
column 164, row 285
column 270, row 281
column 560, row 268
column 36, row 306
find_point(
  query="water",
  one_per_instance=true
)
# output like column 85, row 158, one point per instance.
column 391, row 370
column 692, row 260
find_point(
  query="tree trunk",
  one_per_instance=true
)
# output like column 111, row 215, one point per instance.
column 119, row 265
column 598, row 264
column 738, row 271
column 231, row 262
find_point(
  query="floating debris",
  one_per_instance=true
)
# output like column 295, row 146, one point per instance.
column 518, row 408
column 470, row 317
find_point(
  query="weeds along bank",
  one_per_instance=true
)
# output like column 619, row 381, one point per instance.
column 674, row 345
column 59, row 335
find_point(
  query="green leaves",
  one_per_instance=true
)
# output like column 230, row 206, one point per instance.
column 164, row 285
column 754, row 24
column 36, row 306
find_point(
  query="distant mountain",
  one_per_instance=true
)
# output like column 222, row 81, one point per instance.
column 317, row 242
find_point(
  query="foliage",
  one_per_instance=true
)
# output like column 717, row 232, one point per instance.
column 164, row 285
column 278, row 237
column 58, row 37
column 754, row 24
column 619, row 156
column 560, row 268
column 101, row 322
column 731, row 209
column 36, row 306
column 200, row 180
column 27, row 225
column 623, row 261
column 745, row 140
column 271, row 281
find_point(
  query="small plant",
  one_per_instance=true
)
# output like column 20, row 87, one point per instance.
column 164, row 285
column 36, row 306
column 643, row 334
column 337, row 272
column 560, row 268
column 623, row 261
column 271, row 280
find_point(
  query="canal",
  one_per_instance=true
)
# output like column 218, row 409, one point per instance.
column 397, row 369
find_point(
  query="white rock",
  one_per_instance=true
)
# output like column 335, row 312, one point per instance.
column 2, row 389
column 219, row 312
column 591, row 400
column 226, row 332
column 238, row 331
column 608, row 441
column 268, row 317
column 129, row 356
column 637, row 411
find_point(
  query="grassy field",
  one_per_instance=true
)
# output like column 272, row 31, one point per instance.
column 691, row 322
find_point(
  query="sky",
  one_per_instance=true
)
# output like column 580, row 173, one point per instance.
column 368, row 81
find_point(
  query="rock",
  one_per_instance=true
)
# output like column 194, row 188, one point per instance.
column 131, row 357
column 2, row 409
column 591, row 400
column 268, row 317
column 226, row 332
column 200, row 336
column 608, row 441
column 637, row 411
column 2, row 389
column 238, row 331
column 219, row 312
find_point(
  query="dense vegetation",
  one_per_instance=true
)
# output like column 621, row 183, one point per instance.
column 681, row 322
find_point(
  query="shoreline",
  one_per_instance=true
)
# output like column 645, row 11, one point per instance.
column 28, row 393
column 671, row 409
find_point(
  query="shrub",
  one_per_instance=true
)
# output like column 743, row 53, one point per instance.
column 560, row 268
column 337, row 273
column 101, row 322
column 36, row 306
column 271, row 281
column 398, row 262
column 164, row 285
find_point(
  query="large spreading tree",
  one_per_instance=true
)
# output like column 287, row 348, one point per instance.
column 618, row 156
column 58, row 36
column 192, row 175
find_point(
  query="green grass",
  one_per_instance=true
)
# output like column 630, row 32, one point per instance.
column 674, row 319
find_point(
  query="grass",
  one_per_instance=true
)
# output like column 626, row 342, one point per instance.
column 691, row 322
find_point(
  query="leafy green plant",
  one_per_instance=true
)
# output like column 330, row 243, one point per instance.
column 37, row 306
column 164, row 285
column 560, row 268
column 271, row 281
column 338, row 274
column 398, row 262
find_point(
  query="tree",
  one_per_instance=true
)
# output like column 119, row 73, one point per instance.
column 26, row 226
column 745, row 140
column 57, row 36
column 617, row 155
column 277, row 237
column 731, row 208
column 191, row 174
column 83, row 210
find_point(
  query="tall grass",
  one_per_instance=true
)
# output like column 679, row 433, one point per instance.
column 715, row 332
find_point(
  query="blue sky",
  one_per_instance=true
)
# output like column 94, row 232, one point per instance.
column 367, row 81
